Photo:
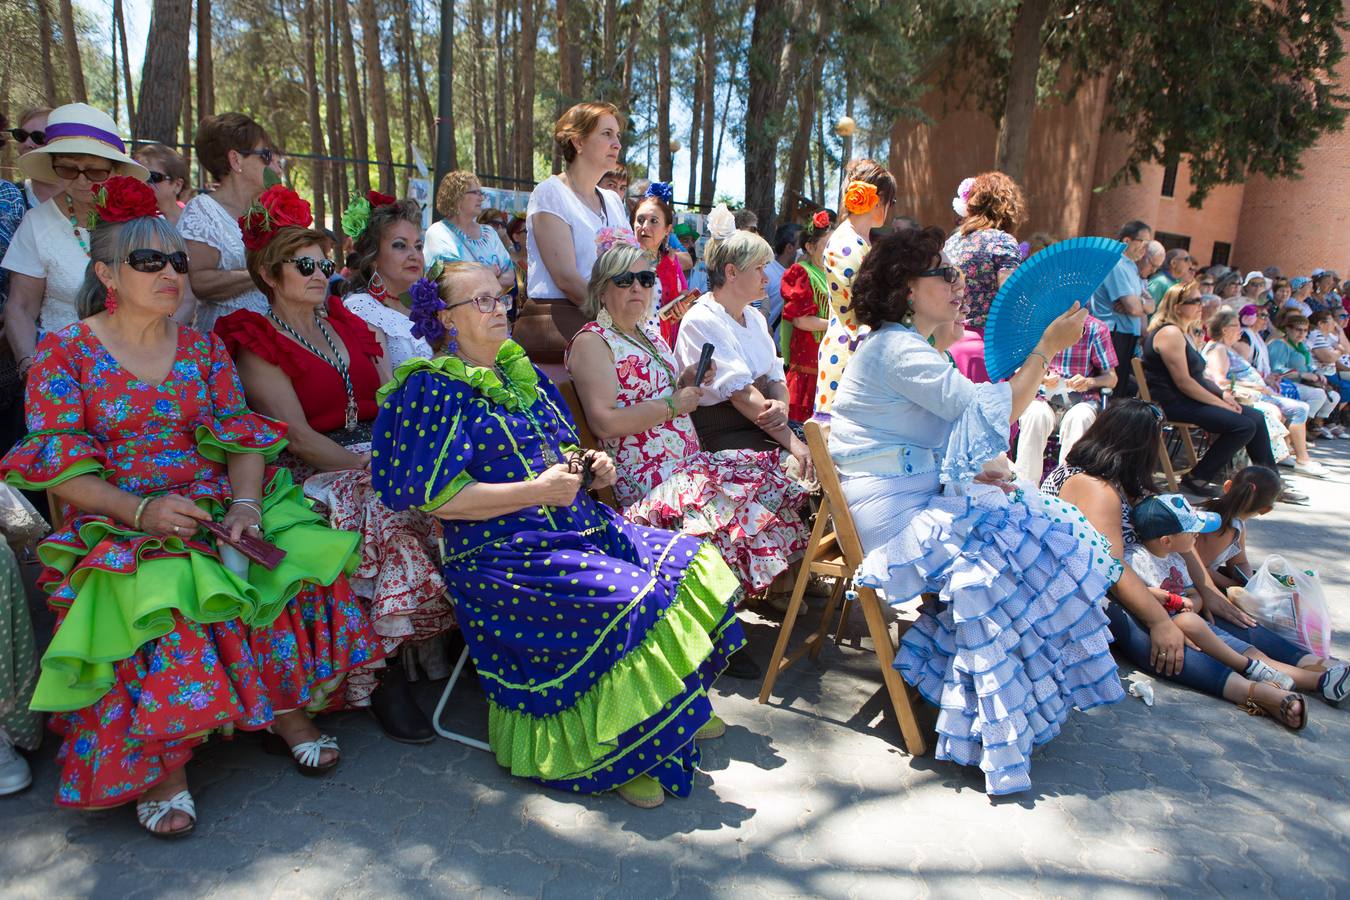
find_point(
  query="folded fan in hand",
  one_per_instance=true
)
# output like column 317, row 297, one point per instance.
column 1038, row 292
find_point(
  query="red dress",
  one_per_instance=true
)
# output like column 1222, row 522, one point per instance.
column 398, row 577
column 801, row 299
column 673, row 284
column 157, row 643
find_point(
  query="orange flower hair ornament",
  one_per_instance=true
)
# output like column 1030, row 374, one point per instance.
column 860, row 198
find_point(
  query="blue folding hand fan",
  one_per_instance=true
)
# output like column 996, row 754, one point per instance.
column 1040, row 290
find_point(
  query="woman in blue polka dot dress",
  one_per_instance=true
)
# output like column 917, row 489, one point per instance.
column 596, row 641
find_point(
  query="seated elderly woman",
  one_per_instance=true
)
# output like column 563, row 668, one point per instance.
column 164, row 633
column 1013, row 638
column 745, row 406
column 595, row 640
column 1106, row 475
column 1291, row 359
column 313, row 365
column 386, row 259
column 638, row 403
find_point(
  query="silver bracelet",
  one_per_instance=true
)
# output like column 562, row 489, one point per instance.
column 1045, row 359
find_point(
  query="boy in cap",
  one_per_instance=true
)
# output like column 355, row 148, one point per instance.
column 1166, row 526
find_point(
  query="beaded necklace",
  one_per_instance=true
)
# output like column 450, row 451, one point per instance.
column 551, row 456
column 75, row 225
column 335, row 361
column 649, row 348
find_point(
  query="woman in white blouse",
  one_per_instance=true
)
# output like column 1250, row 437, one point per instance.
column 237, row 152
column 386, row 259
column 566, row 212
column 745, row 407
column 49, row 253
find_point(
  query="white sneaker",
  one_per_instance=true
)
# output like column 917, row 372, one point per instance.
column 14, row 772
column 1260, row 670
column 1313, row 468
column 1288, row 462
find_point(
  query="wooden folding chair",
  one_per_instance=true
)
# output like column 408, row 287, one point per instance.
column 838, row 554
column 1172, row 471
column 584, row 433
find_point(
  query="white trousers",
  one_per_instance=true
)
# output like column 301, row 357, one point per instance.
column 1320, row 402
column 1034, row 430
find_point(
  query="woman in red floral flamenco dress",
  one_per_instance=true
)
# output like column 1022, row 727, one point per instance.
column 806, row 308
column 166, row 633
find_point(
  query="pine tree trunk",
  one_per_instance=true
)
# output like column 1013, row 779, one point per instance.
column 71, row 44
column 795, row 182
column 45, row 41
column 629, row 54
column 120, row 25
column 529, row 37
column 188, row 124
column 708, row 25
column 423, row 96
column 404, row 48
column 500, row 27
column 569, row 55
column 162, row 74
column 355, row 105
column 333, row 108
column 309, row 29
column 1014, row 134
column 695, row 132
column 762, row 115
column 379, row 96
column 446, row 157
column 665, row 159
column 206, row 73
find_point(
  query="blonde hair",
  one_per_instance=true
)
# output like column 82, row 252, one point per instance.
column 452, row 189
column 578, row 122
column 1169, row 307
column 614, row 261
column 744, row 250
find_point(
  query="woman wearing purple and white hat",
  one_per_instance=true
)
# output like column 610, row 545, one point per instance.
column 49, row 253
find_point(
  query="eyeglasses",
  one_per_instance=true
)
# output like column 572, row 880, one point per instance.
column 949, row 274
column 68, row 172
column 626, row 279
column 1194, row 301
column 156, row 177
column 37, row 137
column 479, row 191
column 486, row 303
column 263, row 153
column 305, row 265
column 155, row 261
column 1207, row 284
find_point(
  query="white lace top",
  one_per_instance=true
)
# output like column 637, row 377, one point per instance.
column 206, row 221
column 45, row 247
column 398, row 338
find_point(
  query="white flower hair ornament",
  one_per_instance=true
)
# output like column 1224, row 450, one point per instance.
column 721, row 223
column 962, row 195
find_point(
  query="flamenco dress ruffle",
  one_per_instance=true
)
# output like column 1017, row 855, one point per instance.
column 1015, row 637
column 158, row 644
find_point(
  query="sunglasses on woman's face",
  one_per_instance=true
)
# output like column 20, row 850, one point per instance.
column 156, row 260
column 69, row 172
column 156, row 177
column 305, row 265
column 626, row 279
column 39, row 138
column 949, row 274
column 263, row 153
column 486, row 303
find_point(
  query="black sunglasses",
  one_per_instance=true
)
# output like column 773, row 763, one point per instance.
column 949, row 274
column 155, row 261
column 156, row 177
column 39, row 137
column 265, row 154
column 305, row 265
column 69, row 172
column 626, row 279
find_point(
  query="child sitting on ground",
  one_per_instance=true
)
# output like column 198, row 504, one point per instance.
column 1167, row 526
column 1250, row 493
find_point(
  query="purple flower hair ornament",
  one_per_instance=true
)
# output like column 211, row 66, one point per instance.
column 425, row 311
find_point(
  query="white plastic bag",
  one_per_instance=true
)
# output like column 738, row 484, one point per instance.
column 19, row 521
column 1290, row 602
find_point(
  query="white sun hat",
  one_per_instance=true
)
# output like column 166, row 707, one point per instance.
column 79, row 129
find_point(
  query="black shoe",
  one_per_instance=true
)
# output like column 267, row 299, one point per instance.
column 740, row 665
column 1200, row 488
column 395, row 708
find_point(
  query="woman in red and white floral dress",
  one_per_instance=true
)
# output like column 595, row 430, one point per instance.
column 638, row 405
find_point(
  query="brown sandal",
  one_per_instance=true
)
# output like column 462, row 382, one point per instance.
column 1253, row 707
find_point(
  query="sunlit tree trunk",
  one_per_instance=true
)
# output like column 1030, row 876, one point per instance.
column 71, row 44
column 379, row 96
column 162, row 74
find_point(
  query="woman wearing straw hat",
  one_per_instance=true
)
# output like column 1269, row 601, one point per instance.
column 50, row 251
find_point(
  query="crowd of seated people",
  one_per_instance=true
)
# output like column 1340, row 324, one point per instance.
column 291, row 483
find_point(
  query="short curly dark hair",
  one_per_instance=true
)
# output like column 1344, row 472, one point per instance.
column 881, row 290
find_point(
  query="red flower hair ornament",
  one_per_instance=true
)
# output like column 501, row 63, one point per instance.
column 122, row 198
column 276, row 208
column 821, row 220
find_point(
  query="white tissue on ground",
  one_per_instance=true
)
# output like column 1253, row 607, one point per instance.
column 1143, row 690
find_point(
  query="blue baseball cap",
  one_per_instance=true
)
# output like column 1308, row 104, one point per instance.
column 1298, row 281
column 1168, row 514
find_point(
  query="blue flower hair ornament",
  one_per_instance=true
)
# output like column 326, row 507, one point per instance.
column 661, row 190
column 425, row 312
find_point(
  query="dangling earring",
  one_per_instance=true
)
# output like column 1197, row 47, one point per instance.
column 452, row 345
column 376, row 288
column 604, row 319
column 110, row 304
column 908, row 318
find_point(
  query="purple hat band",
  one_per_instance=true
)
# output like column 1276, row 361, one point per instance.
column 77, row 129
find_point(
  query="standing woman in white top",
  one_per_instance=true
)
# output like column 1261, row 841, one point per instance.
column 236, row 151
column 386, row 259
column 49, row 253
column 460, row 237
column 745, row 407
column 566, row 212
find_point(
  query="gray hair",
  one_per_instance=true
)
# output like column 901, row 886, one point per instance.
column 110, row 244
column 614, row 261
column 744, row 250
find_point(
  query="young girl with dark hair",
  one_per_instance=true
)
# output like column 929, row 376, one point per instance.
column 1250, row 493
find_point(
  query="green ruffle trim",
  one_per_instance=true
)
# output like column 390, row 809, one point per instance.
column 571, row 743
column 213, row 448
column 114, row 613
column 511, row 358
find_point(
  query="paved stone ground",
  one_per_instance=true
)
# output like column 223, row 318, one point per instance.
column 1190, row 797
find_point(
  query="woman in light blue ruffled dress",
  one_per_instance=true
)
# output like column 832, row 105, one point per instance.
column 1016, row 636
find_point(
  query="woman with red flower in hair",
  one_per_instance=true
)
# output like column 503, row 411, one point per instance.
column 806, row 306
column 166, row 630
column 315, row 366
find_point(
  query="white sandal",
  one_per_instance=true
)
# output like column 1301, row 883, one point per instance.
column 306, row 754
column 151, row 812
